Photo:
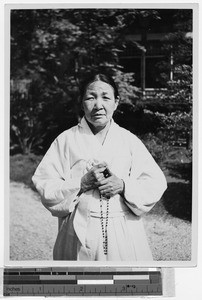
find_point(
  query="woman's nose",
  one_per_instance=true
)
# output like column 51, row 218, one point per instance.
column 98, row 103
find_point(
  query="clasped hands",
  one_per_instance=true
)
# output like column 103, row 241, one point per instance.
column 94, row 178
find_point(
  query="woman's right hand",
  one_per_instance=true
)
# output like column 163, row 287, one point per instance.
column 90, row 179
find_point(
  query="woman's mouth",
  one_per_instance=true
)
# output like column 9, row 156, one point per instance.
column 98, row 115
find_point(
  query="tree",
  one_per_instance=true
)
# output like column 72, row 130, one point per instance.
column 25, row 129
column 56, row 49
column 177, row 122
column 173, row 106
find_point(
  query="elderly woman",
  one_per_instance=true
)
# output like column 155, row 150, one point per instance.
column 98, row 179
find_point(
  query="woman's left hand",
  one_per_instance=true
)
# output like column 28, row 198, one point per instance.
column 110, row 186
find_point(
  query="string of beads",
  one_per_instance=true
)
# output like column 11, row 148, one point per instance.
column 104, row 227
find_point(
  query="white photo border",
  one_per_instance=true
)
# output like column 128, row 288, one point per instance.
column 35, row 263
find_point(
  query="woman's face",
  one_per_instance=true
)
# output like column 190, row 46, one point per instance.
column 99, row 104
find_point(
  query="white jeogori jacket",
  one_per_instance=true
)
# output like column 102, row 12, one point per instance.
column 58, row 177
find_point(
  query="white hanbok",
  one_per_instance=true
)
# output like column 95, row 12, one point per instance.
column 58, row 178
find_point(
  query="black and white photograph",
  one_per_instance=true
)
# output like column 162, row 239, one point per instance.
column 102, row 161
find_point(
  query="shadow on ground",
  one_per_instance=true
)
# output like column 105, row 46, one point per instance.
column 177, row 200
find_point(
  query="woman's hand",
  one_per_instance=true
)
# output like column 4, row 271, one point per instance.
column 110, row 186
column 92, row 177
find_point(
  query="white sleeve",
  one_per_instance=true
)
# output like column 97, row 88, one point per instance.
column 53, row 181
column 146, row 182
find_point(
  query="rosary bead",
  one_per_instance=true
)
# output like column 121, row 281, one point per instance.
column 104, row 228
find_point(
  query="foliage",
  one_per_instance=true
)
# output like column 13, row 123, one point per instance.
column 177, row 44
column 173, row 106
column 22, row 168
column 25, row 121
column 180, row 89
column 55, row 49
column 129, row 94
column 177, row 121
column 158, row 149
column 177, row 126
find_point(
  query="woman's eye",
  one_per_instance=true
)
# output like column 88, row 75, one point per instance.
column 89, row 98
column 106, row 98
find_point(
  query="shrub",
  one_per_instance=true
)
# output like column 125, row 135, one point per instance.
column 158, row 149
column 22, row 168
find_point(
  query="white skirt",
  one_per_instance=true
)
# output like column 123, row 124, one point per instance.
column 126, row 239
column 80, row 237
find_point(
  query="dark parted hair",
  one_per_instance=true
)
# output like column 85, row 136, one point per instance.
column 98, row 77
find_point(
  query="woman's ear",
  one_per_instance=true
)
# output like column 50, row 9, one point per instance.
column 117, row 100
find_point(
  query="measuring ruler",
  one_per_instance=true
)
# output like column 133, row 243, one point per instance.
column 77, row 281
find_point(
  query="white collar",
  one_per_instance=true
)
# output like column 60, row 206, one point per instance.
column 83, row 123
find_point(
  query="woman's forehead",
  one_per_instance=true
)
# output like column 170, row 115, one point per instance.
column 99, row 86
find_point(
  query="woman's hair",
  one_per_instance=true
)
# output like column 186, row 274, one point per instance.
column 98, row 77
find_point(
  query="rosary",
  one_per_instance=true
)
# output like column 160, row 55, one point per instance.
column 106, row 174
column 104, row 227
